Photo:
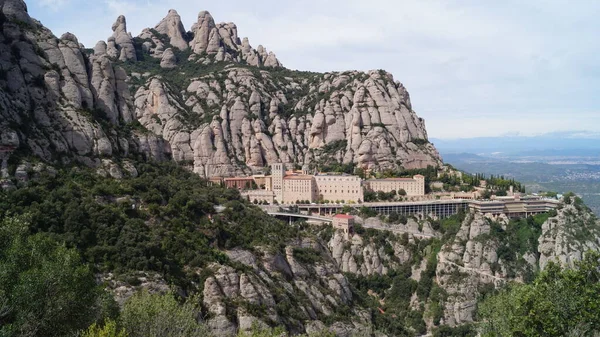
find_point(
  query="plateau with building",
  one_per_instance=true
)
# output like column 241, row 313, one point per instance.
column 328, row 194
column 287, row 187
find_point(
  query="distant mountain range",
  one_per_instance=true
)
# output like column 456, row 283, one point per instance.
column 568, row 143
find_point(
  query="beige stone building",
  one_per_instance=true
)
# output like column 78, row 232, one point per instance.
column 414, row 186
column 339, row 187
column 277, row 175
column 259, row 196
column 345, row 223
column 261, row 181
column 299, row 187
column 240, row 183
column 291, row 186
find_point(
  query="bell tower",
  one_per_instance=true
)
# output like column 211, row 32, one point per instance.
column 278, row 173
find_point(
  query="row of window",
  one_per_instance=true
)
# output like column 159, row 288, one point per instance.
column 341, row 191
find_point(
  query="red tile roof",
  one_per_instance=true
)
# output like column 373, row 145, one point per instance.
column 344, row 216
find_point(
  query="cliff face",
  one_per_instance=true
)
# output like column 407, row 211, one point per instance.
column 204, row 97
column 301, row 289
column 57, row 102
column 481, row 254
column 568, row 235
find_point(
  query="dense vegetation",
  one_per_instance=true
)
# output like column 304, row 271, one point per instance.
column 60, row 229
column 45, row 289
column 162, row 220
column 560, row 302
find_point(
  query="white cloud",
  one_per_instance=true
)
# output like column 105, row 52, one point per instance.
column 54, row 5
column 122, row 7
column 461, row 61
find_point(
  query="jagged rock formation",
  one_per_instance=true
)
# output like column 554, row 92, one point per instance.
column 172, row 27
column 484, row 254
column 120, row 44
column 274, row 289
column 222, row 41
column 54, row 97
column 468, row 264
column 368, row 114
column 315, row 291
column 169, row 60
column 570, row 234
column 227, row 110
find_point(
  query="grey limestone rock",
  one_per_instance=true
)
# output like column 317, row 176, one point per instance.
column 169, row 60
column 123, row 42
column 569, row 235
column 172, row 27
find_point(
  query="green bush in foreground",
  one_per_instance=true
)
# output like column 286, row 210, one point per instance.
column 558, row 303
column 45, row 289
column 156, row 315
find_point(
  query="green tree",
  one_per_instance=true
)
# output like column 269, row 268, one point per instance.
column 558, row 303
column 161, row 315
column 108, row 330
column 393, row 217
column 45, row 289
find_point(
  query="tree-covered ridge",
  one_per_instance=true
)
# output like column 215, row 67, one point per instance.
column 162, row 220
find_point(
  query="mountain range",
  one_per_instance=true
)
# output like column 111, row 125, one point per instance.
column 203, row 97
column 103, row 203
column 554, row 143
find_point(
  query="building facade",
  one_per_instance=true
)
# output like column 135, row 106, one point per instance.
column 277, row 175
column 414, row 186
column 290, row 187
column 345, row 188
column 259, row 196
column 344, row 223
column 240, row 183
column 299, row 188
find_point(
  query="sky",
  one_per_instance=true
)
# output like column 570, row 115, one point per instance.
column 472, row 67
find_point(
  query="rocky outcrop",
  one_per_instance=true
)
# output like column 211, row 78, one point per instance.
column 231, row 120
column 468, row 264
column 16, row 9
column 169, row 60
column 122, row 291
column 241, row 121
column 55, row 100
column 222, row 41
column 567, row 236
column 120, row 44
column 172, row 27
column 314, row 291
column 485, row 253
column 367, row 258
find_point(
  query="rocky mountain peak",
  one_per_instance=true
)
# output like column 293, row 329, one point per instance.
column 16, row 9
column 120, row 26
column 70, row 37
column 221, row 42
column 568, row 235
column 172, row 27
column 120, row 44
column 202, row 35
column 227, row 113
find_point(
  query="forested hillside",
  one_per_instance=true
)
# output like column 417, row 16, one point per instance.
column 97, row 241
